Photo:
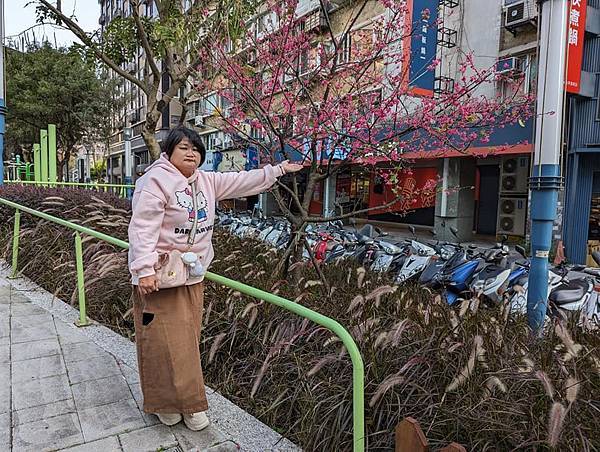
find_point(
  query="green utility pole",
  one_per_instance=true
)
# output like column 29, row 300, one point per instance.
column 44, row 154
column 37, row 162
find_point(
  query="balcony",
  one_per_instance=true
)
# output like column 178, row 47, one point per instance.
column 447, row 37
column 449, row 3
column 443, row 85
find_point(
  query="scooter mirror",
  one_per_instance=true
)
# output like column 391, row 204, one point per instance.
column 504, row 238
column 412, row 229
column 521, row 250
column 353, row 221
column 454, row 231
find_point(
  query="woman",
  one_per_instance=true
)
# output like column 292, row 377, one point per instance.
column 168, row 321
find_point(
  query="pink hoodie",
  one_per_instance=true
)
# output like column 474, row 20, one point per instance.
column 163, row 213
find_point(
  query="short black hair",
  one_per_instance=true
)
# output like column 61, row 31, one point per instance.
column 179, row 133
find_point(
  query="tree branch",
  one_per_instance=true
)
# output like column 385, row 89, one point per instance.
column 144, row 38
column 78, row 31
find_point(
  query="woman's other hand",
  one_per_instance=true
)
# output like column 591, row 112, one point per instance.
column 148, row 284
column 290, row 167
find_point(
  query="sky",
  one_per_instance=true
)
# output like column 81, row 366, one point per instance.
column 19, row 17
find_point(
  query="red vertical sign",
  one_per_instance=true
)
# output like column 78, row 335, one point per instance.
column 575, row 38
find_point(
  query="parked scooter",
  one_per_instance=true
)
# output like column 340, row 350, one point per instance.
column 417, row 261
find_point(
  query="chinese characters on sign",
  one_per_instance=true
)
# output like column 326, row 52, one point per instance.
column 575, row 38
column 421, row 45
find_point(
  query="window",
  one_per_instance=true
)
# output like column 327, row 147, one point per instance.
column 522, row 80
column 345, row 49
column 303, row 62
column 149, row 9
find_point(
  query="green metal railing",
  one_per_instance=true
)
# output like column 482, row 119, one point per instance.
column 119, row 189
column 358, row 374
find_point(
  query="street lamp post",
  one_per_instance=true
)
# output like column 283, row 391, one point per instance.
column 546, row 180
column 2, row 97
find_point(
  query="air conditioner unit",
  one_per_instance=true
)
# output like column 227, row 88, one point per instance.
column 514, row 174
column 519, row 12
column 199, row 121
column 510, row 65
column 512, row 215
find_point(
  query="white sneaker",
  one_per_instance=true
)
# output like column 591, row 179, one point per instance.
column 196, row 421
column 169, row 419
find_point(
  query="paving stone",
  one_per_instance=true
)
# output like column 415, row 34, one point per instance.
column 188, row 439
column 28, row 321
column 5, row 431
column 81, row 351
column 17, row 298
column 5, row 292
column 27, row 309
column 4, row 327
column 110, row 444
column 110, row 419
column 43, row 412
column 46, row 366
column 36, row 349
column 4, row 387
column 47, row 434
column 69, row 334
column 100, row 392
column 148, row 439
column 40, row 392
column 19, row 333
column 4, row 353
column 92, row 369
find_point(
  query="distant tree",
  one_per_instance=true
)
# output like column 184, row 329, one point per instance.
column 55, row 86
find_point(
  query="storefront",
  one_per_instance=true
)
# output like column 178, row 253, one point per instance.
column 581, row 228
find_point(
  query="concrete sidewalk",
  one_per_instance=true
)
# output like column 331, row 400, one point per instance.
column 77, row 389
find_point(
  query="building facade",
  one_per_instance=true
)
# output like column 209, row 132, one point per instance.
column 581, row 228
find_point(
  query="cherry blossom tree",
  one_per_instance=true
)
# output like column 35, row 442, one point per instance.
column 341, row 93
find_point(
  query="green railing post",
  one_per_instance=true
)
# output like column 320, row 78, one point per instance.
column 15, row 244
column 83, row 320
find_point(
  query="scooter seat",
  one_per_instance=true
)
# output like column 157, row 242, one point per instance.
column 569, row 292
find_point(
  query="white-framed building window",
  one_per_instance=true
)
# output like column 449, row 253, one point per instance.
column 345, row 49
column 519, row 75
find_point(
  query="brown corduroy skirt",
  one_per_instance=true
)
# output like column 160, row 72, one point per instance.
column 167, row 336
